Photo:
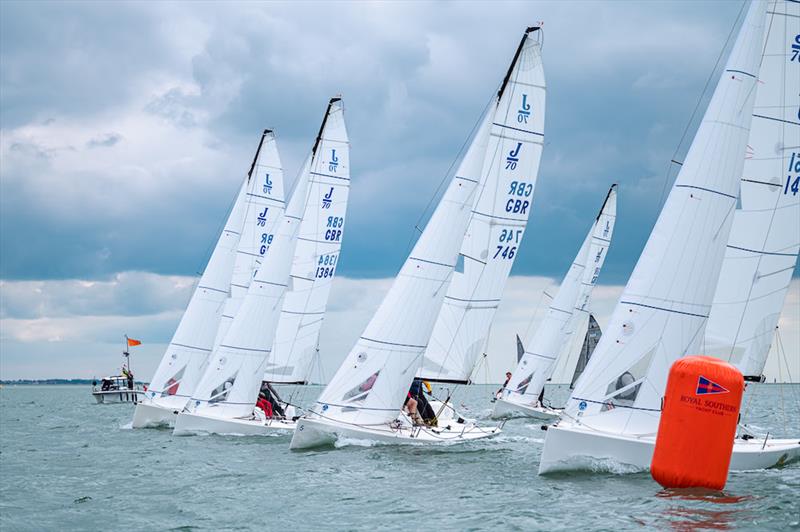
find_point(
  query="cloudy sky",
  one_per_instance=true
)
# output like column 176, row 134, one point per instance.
column 125, row 129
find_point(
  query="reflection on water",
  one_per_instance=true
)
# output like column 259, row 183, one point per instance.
column 691, row 511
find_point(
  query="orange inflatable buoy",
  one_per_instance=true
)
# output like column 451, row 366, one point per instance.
column 698, row 424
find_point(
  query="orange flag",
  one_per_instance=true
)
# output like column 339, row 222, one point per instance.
column 132, row 342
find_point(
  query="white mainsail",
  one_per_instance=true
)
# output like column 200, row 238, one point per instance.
column 229, row 388
column 264, row 207
column 371, row 385
column 663, row 309
column 179, row 371
column 316, row 259
column 496, row 227
column 570, row 303
column 765, row 237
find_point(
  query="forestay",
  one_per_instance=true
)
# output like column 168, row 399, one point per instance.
column 316, row 258
column 569, row 305
column 370, row 386
column 264, row 206
column 662, row 312
column 180, row 368
column 497, row 223
column 765, row 238
column 232, row 380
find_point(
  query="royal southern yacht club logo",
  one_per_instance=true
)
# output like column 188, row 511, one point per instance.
column 705, row 387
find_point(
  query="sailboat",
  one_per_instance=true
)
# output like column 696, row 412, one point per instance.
column 225, row 399
column 245, row 235
column 365, row 398
column 523, row 393
column 765, row 238
column 611, row 418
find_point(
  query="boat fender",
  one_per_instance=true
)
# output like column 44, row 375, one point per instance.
column 698, row 424
column 746, row 437
column 543, row 427
column 461, row 420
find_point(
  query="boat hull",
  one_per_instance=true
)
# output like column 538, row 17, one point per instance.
column 188, row 424
column 507, row 409
column 575, row 448
column 117, row 396
column 149, row 415
column 316, row 432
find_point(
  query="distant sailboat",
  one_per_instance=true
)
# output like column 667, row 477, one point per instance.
column 365, row 398
column 225, row 399
column 613, row 414
column 182, row 365
column 522, row 395
column 765, row 237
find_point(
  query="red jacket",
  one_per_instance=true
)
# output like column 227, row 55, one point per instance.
column 265, row 405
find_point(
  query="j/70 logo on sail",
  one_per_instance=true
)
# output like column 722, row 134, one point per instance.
column 705, row 387
column 334, row 164
column 267, row 185
column 524, row 110
column 513, row 157
column 326, row 199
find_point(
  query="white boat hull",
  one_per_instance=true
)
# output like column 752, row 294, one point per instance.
column 507, row 409
column 117, row 396
column 576, row 448
column 191, row 424
column 319, row 432
column 149, row 415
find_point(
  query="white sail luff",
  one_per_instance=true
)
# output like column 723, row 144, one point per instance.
column 316, row 257
column 765, row 238
column 264, row 207
column 496, row 227
column 663, row 309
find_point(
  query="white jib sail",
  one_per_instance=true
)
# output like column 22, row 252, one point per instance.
column 371, row 384
column 663, row 309
column 180, row 368
column 264, row 207
column 230, row 385
column 496, row 225
column 569, row 305
column 316, row 257
column 765, row 238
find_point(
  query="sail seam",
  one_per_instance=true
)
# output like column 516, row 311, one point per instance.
column 519, row 129
column 331, row 176
column 664, row 309
column 777, row 120
column 393, row 343
column 764, row 252
column 707, row 190
column 191, row 347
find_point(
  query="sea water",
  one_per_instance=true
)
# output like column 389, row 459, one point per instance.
column 68, row 463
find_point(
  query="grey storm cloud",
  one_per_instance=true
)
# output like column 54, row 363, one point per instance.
column 170, row 99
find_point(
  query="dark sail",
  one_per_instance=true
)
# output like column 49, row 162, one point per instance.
column 590, row 341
